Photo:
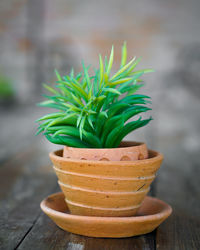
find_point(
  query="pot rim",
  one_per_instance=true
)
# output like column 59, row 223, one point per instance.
column 125, row 145
column 156, row 156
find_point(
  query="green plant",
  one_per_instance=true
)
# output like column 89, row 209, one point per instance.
column 6, row 88
column 95, row 111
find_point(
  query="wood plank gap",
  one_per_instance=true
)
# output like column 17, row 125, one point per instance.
column 34, row 222
column 23, row 238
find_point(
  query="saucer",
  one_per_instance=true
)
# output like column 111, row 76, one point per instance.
column 150, row 215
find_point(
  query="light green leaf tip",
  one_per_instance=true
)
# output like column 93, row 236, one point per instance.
column 124, row 54
column 110, row 63
column 58, row 75
column 101, row 70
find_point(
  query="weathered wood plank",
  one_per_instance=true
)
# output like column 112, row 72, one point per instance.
column 46, row 235
column 178, row 184
column 25, row 181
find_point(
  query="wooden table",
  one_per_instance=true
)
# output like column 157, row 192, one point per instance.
column 27, row 177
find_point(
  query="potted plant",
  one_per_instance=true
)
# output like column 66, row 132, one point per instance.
column 99, row 174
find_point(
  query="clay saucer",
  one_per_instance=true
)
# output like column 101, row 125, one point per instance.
column 150, row 215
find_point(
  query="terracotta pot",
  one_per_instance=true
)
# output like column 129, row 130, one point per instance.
column 105, row 188
column 127, row 151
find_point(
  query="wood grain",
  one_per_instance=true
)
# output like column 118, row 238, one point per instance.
column 178, row 184
column 24, row 182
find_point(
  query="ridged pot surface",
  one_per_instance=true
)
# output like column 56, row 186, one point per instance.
column 105, row 188
column 127, row 151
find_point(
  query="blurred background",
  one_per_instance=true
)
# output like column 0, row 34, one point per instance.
column 37, row 36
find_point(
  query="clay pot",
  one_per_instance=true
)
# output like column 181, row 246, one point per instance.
column 105, row 188
column 127, row 151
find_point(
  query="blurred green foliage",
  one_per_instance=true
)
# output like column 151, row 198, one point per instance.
column 6, row 88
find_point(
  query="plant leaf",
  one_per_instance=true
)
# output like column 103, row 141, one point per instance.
column 58, row 75
column 123, row 69
column 129, row 127
column 110, row 63
column 124, row 55
column 101, row 71
column 110, row 90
